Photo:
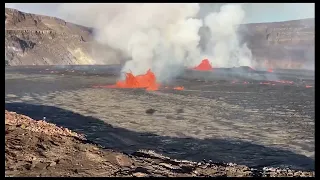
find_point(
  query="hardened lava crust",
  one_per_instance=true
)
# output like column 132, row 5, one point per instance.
column 254, row 118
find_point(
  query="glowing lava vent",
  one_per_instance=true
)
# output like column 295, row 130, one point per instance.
column 204, row 66
column 146, row 81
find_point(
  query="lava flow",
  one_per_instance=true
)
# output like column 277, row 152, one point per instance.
column 146, row 81
column 179, row 88
column 204, row 66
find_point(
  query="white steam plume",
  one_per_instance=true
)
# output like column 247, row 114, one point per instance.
column 224, row 48
column 164, row 37
column 156, row 36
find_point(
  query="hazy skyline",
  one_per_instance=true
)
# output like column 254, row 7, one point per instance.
column 255, row 12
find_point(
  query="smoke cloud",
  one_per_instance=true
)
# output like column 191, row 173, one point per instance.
column 165, row 37
column 223, row 48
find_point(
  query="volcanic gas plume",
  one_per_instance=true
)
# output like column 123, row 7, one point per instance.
column 165, row 37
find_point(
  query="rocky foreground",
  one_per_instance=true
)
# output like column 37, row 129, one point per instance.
column 38, row 148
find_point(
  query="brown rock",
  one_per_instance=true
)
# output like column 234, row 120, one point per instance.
column 123, row 160
column 24, row 157
column 32, row 39
column 52, row 164
column 169, row 166
column 139, row 174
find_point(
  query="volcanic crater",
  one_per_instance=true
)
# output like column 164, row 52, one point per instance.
column 255, row 118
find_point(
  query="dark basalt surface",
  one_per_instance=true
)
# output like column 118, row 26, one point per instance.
column 236, row 120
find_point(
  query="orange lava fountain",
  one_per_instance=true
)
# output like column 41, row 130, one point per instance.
column 146, row 81
column 179, row 88
column 204, row 66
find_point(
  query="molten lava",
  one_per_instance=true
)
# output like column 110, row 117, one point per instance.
column 204, row 66
column 147, row 81
column 180, row 88
column 273, row 83
column 268, row 83
column 284, row 82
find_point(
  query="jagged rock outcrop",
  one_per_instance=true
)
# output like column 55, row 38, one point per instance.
column 41, row 40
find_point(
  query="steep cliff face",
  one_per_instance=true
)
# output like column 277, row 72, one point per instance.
column 287, row 44
column 42, row 40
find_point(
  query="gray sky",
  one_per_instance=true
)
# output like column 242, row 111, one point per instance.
column 255, row 12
